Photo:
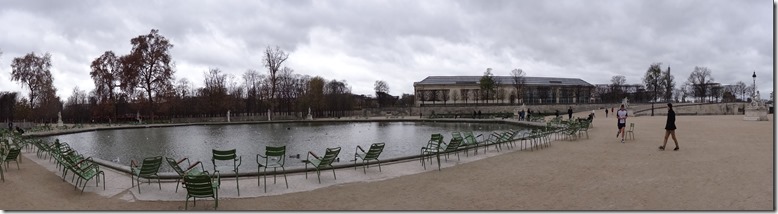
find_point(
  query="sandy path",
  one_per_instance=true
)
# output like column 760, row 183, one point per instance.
column 724, row 163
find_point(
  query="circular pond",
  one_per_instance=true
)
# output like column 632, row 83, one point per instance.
column 196, row 141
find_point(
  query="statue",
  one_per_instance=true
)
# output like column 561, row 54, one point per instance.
column 310, row 117
column 59, row 119
column 137, row 117
column 625, row 102
column 756, row 110
column 268, row 115
column 228, row 116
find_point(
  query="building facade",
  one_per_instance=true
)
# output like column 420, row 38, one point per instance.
column 466, row 90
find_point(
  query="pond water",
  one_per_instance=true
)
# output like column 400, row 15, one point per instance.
column 195, row 142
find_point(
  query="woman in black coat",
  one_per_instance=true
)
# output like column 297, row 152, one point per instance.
column 670, row 127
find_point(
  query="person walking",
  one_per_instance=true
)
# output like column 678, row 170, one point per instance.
column 606, row 112
column 621, row 116
column 570, row 113
column 556, row 113
column 670, row 127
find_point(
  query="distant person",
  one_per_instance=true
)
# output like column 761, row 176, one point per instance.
column 479, row 113
column 670, row 127
column 606, row 112
column 570, row 113
column 592, row 113
column 621, row 116
column 612, row 109
column 10, row 126
column 556, row 113
column 19, row 130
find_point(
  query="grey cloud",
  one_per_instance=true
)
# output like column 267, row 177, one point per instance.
column 405, row 41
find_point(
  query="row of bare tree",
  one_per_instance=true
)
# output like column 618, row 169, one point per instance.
column 141, row 83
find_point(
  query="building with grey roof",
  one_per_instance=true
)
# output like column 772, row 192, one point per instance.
column 466, row 90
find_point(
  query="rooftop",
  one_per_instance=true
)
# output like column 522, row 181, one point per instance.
column 504, row 80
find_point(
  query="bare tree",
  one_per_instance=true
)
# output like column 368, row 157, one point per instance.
column 33, row 71
column 252, row 81
column 149, row 66
column 740, row 89
column 617, row 83
column 465, row 94
column 215, row 90
column 519, row 81
column 381, row 92
column 699, row 79
column 487, row 85
column 105, row 74
column 272, row 60
column 667, row 82
column 651, row 80
column 316, row 94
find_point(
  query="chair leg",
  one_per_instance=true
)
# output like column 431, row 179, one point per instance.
column 285, row 181
column 258, row 176
column 265, row 179
column 178, row 181
column 318, row 175
column 379, row 165
column 103, row 173
column 159, row 182
column 333, row 173
column 236, row 181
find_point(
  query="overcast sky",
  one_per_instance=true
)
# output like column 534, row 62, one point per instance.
column 402, row 42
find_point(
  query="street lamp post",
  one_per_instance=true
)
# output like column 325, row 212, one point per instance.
column 754, row 76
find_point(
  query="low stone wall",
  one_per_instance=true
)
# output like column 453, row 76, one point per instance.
column 696, row 109
column 543, row 109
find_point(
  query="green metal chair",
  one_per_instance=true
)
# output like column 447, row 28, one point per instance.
column 470, row 142
column 275, row 157
column 148, row 170
column 452, row 146
column 13, row 155
column 322, row 162
column 372, row 154
column 201, row 185
column 228, row 156
column 86, row 169
column 435, row 141
column 176, row 165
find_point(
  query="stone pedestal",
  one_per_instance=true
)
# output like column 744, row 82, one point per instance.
column 756, row 110
column 756, row 114
column 59, row 119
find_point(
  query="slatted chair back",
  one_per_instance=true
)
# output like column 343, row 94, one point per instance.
column 224, row 154
column 453, row 144
column 174, row 164
column 13, row 154
column 330, row 156
column 436, row 138
column 201, row 186
column 276, row 154
column 150, row 166
column 375, row 150
column 456, row 135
